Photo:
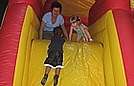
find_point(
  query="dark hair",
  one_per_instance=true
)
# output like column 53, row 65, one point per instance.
column 74, row 18
column 56, row 5
column 57, row 31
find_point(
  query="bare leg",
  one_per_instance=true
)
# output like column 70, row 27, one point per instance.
column 87, row 33
column 57, row 73
column 47, row 70
column 44, row 79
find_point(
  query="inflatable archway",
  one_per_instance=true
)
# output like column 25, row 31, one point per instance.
column 85, row 63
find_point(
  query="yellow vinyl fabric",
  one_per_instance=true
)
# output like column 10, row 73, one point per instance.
column 29, row 31
column 83, row 64
column 83, row 61
column 132, row 4
column 76, row 7
column 104, row 31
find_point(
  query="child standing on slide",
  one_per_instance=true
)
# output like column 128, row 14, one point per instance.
column 80, row 28
column 55, row 56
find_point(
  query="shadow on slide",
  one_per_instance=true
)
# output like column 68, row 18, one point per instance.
column 83, row 64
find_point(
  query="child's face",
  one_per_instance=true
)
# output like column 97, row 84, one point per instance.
column 74, row 24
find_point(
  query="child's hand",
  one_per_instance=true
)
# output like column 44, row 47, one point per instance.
column 91, row 40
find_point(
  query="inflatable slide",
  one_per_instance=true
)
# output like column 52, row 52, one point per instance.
column 107, row 61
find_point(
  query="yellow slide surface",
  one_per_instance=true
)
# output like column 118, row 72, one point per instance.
column 83, row 64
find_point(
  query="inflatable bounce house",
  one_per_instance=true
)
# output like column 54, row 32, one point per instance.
column 107, row 61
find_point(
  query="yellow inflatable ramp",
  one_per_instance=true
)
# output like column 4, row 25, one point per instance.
column 83, row 64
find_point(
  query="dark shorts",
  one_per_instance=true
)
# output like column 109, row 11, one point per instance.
column 54, row 59
column 47, row 35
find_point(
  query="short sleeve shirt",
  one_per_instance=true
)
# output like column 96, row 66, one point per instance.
column 49, row 25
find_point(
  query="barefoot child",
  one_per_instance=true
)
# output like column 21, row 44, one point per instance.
column 81, row 29
column 55, row 56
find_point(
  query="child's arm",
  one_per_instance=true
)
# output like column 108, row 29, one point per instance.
column 64, row 31
column 70, row 33
column 82, row 29
column 87, row 32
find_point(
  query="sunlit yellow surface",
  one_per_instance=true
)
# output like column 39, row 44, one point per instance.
column 104, row 31
column 83, row 64
column 132, row 4
column 76, row 7
column 29, row 32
